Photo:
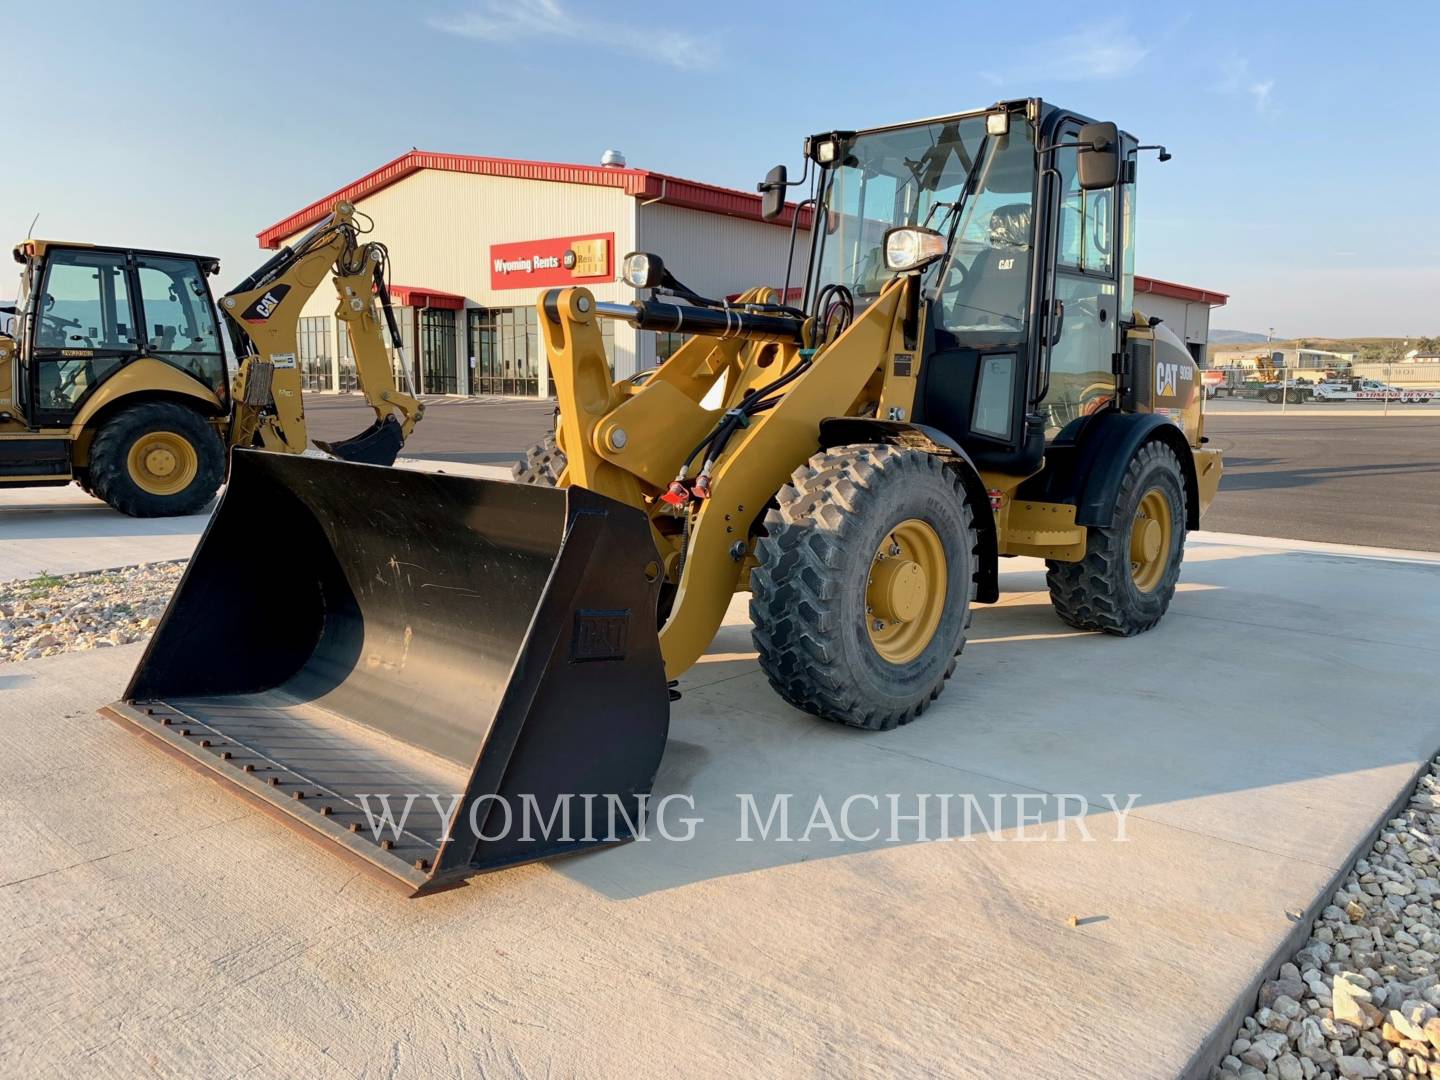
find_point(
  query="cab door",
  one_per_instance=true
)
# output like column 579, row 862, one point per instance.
column 1086, row 280
column 85, row 328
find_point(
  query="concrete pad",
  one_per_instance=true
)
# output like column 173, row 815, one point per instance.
column 158, row 923
column 61, row 530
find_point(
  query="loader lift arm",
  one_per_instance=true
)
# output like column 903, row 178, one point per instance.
column 262, row 316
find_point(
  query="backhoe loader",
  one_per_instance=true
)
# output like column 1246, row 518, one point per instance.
column 959, row 376
column 112, row 372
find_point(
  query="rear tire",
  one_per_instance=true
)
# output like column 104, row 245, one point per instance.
column 1105, row 591
column 542, row 465
column 812, row 595
column 158, row 459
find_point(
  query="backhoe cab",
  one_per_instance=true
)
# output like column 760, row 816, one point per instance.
column 113, row 375
column 959, row 376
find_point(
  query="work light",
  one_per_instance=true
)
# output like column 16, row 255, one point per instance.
column 910, row 247
column 642, row 270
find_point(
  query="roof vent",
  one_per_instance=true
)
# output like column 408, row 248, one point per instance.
column 612, row 159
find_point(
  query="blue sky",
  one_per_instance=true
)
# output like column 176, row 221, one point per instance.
column 1305, row 135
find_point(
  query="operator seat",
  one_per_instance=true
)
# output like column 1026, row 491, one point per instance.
column 994, row 291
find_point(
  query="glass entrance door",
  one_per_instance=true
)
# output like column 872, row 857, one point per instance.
column 438, row 372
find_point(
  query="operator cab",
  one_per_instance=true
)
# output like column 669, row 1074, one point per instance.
column 1029, row 272
column 83, row 313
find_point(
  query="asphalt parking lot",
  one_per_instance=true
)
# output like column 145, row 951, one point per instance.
column 480, row 431
column 1324, row 473
column 1356, row 479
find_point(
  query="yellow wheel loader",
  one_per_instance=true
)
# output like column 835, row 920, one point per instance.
column 113, row 375
column 959, row 376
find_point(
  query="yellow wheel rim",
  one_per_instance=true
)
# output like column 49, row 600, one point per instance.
column 1150, row 535
column 162, row 462
column 905, row 595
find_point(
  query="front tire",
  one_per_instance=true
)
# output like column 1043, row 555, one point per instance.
column 864, row 586
column 158, row 459
column 1125, row 583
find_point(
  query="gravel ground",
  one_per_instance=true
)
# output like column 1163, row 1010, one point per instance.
column 49, row 615
column 1362, row 998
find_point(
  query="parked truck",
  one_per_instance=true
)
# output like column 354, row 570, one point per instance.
column 1356, row 389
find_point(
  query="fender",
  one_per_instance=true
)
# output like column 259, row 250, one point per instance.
column 1086, row 465
column 146, row 376
column 840, row 430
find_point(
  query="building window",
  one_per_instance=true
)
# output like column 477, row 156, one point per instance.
column 666, row 345
column 315, row 352
column 504, row 351
column 438, row 372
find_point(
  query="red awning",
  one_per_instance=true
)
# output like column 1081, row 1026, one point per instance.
column 415, row 296
column 1191, row 293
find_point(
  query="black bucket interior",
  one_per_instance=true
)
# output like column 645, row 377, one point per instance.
column 348, row 632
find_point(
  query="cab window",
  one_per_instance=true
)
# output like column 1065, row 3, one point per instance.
column 85, row 304
column 985, row 288
column 180, row 326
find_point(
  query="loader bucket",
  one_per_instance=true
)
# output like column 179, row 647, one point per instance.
column 348, row 637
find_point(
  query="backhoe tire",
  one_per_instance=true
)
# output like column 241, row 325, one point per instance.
column 542, row 465
column 159, row 459
column 813, row 596
column 1122, row 587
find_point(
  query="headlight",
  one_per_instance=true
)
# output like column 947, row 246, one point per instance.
column 997, row 123
column 642, row 270
column 911, row 247
column 826, row 151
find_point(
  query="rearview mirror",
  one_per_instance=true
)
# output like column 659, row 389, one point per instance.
column 772, row 193
column 1099, row 157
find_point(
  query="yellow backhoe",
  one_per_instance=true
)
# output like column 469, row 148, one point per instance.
column 959, row 376
column 113, row 375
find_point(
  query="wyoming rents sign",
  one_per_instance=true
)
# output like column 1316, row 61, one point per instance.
column 561, row 260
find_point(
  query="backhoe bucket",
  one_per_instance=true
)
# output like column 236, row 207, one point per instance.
column 379, row 444
column 431, row 675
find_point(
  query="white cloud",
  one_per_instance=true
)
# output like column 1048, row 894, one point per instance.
column 1236, row 77
column 520, row 20
column 1105, row 51
column 1260, row 91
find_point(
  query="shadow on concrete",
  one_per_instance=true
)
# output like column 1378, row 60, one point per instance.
column 10, row 682
column 88, row 521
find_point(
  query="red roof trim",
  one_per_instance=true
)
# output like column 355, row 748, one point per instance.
column 638, row 183
column 1191, row 293
column 415, row 296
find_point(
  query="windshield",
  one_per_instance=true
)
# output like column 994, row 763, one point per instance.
column 916, row 176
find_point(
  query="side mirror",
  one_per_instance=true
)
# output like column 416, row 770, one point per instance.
column 909, row 247
column 1099, row 157
column 772, row 192
column 642, row 270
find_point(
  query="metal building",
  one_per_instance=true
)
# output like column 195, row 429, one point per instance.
column 1184, row 308
column 473, row 240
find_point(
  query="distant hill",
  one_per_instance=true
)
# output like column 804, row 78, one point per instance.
column 1235, row 337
